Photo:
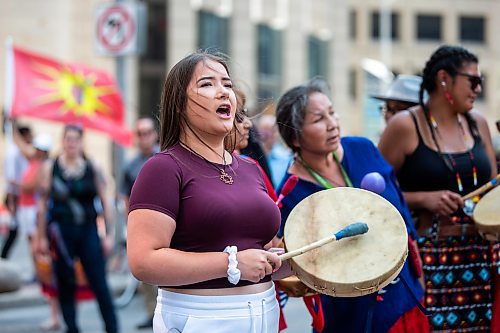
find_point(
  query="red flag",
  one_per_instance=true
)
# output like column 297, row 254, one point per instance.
column 48, row 89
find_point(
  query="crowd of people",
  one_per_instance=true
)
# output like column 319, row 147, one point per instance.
column 204, row 226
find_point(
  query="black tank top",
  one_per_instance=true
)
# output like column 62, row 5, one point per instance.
column 73, row 198
column 425, row 169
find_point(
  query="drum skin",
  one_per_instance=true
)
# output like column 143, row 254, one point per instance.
column 354, row 266
column 487, row 215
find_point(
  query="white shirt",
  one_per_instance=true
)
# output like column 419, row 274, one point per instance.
column 15, row 165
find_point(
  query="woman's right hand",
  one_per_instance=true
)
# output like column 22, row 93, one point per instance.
column 443, row 203
column 255, row 264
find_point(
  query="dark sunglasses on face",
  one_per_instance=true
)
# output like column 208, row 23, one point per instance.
column 473, row 79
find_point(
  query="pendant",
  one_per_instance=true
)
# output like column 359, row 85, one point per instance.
column 226, row 178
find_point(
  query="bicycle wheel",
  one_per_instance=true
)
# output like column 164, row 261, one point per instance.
column 125, row 297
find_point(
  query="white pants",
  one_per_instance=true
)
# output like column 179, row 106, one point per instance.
column 26, row 217
column 252, row 313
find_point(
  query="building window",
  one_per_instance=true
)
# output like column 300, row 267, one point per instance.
column 429, row 27
column 318, row 57
column 472, row 29
column 268, row 62
column 157, row 32
column 353, row 23
column 150, row 96
column 353, row 83
column 152, row 63
column 213, row 32
column 375, row 24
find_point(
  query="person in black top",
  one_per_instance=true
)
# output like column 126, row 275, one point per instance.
column 67, row 220
column 442, row 150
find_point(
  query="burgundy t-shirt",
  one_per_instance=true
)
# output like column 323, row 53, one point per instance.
column 209, row 214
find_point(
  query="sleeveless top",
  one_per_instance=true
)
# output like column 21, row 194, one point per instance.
column 73, row 198
column 425, row 170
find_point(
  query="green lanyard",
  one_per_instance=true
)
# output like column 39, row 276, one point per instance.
column 320, row 179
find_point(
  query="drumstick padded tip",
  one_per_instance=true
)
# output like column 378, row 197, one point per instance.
column 353, row 229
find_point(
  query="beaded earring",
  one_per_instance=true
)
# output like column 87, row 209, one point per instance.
column 447, row 95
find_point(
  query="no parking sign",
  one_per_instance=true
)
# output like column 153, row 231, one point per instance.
column 120, row 29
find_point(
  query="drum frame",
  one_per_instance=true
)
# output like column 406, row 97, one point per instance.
column 488, row 231
column 355, row 288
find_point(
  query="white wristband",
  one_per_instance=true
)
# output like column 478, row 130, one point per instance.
column 233, row 273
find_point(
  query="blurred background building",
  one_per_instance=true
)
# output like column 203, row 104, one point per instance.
column 358, row 45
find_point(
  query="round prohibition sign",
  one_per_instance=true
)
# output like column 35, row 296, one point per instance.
column 115, row 28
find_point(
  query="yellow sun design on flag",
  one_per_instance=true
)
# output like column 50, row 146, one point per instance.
column 76, row 91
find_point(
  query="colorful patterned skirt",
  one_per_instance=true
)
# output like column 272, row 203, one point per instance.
column 458, row 281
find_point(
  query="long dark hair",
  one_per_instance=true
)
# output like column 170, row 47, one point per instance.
column 174, row 96
column 230, row 142
column 451, row 59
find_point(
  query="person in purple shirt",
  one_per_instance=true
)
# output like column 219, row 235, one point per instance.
column 200, row 218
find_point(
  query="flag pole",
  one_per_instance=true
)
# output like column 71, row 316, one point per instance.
column 9, row 87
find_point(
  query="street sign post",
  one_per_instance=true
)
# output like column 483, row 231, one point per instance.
column 120, row 29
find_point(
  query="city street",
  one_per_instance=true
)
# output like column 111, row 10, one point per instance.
column 25, row 315
column 27, row 319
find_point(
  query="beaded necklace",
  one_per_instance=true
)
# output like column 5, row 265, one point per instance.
column 450, row 161
column 74, row 169
column 224, row 176
column 320, row 179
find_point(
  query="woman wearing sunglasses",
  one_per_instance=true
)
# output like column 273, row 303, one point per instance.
column 442, row 150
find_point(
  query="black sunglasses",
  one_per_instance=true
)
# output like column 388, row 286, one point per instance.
column 473, row 79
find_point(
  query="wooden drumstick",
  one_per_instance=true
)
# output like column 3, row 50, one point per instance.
column 353, row 229
column 482, row 189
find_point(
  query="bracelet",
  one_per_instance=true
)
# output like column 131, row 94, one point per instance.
column 233, row 273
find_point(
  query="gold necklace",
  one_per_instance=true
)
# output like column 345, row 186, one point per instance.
column 224, row 176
